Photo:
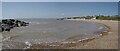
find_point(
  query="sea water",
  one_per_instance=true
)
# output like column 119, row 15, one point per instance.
column 50, row 31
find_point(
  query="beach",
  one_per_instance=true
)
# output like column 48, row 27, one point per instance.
column 59, row 25
column 108, row 41
column 0, row 41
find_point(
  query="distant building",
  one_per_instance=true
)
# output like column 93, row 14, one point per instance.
column 82, row 18
column 93, row 18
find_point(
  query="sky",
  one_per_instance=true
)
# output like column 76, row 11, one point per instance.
column 57, row 9
column 60, row 0
column 0, row 10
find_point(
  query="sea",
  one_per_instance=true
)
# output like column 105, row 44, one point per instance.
column 42, row 31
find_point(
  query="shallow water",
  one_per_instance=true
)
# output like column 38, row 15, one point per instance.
column 50, row 31
column 0, row 41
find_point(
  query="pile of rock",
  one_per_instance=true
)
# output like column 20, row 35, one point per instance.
column 8, row 24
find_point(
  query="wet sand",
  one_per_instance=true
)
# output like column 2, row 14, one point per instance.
column 108, row 40
column 0, row 41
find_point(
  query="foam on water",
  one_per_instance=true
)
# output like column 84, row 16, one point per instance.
column 49, row 31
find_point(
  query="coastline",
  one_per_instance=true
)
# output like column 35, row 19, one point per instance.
column 0, row 40
column 109, row 41
column 106, row 41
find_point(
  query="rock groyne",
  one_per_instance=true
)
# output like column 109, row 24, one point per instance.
column 8, row 24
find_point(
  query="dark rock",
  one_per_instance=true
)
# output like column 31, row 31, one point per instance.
column 8, row 24
column 6, row 27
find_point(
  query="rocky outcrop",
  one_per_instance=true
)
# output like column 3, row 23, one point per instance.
column 8, row 24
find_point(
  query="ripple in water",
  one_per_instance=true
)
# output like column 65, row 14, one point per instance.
column 43, row 31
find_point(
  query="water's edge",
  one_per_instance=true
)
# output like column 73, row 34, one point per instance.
column 62, row 44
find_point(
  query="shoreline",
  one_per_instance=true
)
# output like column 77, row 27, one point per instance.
column 107, row 41
column 80, row 43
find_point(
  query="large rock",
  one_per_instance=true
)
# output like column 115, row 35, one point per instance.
column 8, row 24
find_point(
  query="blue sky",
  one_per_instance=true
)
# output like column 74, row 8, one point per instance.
column 57, row 9
column 60, row 0
column 0, row 10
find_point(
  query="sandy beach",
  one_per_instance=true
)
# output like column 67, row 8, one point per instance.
column 109, row 41
column 0, row 41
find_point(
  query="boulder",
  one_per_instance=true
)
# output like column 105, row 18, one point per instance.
column 8, row 24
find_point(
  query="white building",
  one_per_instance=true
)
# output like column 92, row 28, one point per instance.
column 93, row 18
